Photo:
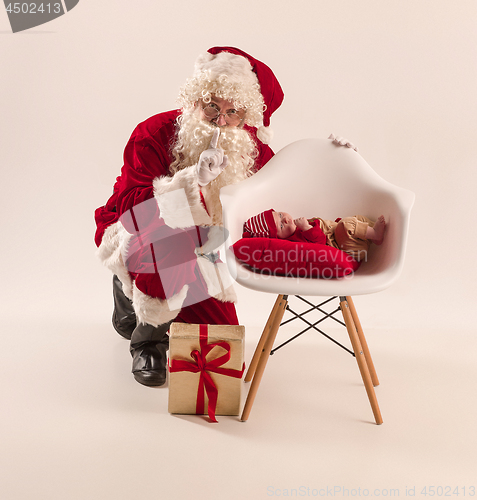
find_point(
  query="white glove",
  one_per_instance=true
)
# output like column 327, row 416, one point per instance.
column 339, row 141
column 211, row 161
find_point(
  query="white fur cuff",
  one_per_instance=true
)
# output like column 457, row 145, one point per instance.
column 179, row 202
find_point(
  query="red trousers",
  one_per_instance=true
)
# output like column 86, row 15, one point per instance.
column 210, row 311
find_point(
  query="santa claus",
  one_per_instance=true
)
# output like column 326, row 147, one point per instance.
column 159, row 230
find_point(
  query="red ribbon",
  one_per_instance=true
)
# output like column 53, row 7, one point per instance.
column 202, row 366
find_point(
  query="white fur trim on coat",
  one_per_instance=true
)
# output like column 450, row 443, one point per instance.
column 218, row 279
column 179, row 202
column 113, row 247
column 154, row 311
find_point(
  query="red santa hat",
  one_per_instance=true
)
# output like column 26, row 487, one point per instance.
column 232, row 74
column 269, row 87
column 262, row 225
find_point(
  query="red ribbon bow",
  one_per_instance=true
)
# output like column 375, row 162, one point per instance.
column 202, row 366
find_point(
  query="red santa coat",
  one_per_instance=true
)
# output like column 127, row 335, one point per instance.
column 155, row 221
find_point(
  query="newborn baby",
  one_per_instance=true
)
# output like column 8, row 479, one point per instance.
column 353, row 235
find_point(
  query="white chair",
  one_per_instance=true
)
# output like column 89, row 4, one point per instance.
column 314, row 177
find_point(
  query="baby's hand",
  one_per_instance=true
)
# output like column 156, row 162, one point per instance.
column 302, row 223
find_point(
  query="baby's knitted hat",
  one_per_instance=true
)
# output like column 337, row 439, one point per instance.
column 260, row 226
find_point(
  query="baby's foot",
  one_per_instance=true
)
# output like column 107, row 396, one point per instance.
column 379, row 229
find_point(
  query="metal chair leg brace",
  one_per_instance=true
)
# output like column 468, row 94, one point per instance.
column 313, row 325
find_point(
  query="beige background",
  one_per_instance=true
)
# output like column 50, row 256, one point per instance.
column 399, row 79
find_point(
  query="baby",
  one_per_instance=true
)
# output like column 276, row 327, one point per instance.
column 350, row 234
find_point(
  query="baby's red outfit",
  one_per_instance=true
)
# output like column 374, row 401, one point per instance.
column 313, row 235
column 347, row 234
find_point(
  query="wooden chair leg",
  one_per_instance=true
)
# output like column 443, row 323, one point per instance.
column 258, row 351
column 264, row 355
column 361, row 359
column 364, row 344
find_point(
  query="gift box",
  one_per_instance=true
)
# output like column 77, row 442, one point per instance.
column 205, row 369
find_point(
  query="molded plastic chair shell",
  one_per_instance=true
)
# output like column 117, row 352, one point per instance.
column 316, row 178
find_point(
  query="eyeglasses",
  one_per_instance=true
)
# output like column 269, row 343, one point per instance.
column 232, row 117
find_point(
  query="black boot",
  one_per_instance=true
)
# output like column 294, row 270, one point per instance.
column 124, row 318
column 149, row 345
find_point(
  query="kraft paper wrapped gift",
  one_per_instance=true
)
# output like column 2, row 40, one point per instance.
column 206, row 367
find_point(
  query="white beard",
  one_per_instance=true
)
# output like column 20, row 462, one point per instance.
column 194, row 137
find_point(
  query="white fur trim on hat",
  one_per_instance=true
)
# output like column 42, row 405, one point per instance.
column 237, row 68
column 265, row 134
column 227, row 76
